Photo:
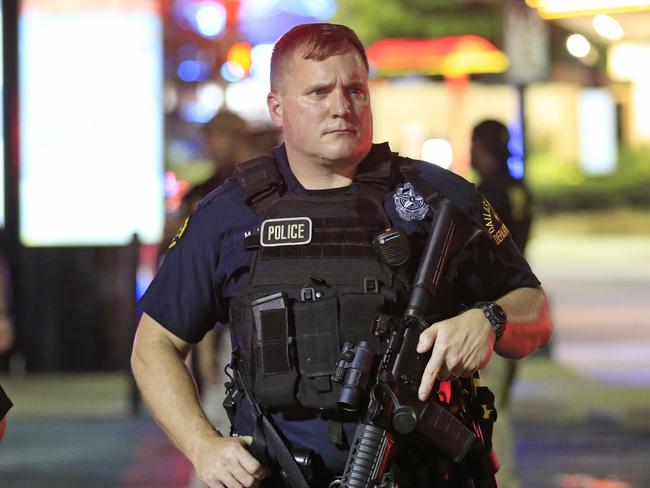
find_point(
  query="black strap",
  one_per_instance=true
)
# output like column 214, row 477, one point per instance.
column 376, row 178
column 261, row 182
column 266, row 440
column 376, row 172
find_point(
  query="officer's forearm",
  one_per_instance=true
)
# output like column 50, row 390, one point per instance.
column 168, row 389
column 529, row 323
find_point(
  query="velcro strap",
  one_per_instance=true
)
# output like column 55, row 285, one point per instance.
column 274, row 341
column 258, row 177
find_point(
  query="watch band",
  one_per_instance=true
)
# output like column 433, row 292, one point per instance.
column 495, row 315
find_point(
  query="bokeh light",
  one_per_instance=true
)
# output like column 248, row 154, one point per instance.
column 438, row 152
column 210, row 19
column 578, row 45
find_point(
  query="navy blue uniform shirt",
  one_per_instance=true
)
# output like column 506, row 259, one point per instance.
column 207, row 265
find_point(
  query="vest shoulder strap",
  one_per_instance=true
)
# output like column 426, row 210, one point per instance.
column 375, row 179
column 261, row 182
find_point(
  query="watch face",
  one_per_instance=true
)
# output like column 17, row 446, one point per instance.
column 499, row 313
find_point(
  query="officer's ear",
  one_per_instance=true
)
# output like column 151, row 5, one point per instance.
column 274, row 103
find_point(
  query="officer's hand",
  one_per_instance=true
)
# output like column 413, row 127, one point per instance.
column 461, row 346
column 226, row 462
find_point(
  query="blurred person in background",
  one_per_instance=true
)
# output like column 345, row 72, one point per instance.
column 513, row 203
column 227, row 139
column 329, row 169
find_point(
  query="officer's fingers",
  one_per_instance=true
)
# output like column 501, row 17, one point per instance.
column 427, row 338
column 230, row 481
column 253, row 466
column 242, row 476
column 430, row 373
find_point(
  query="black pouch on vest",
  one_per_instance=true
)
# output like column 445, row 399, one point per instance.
column 275, row 377
column 318, row 344
column 358, row 312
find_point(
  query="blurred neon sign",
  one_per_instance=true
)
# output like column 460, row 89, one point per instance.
column 553, row 9
column 449, row 56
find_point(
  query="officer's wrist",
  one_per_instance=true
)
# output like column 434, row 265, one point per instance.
column 203, row 441
column 495, row 316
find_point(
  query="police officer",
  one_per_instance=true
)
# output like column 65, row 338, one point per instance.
column 284, row 250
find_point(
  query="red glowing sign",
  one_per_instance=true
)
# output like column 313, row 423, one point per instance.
column 448, row 56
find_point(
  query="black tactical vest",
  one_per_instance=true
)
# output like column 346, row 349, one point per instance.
column 316, row 282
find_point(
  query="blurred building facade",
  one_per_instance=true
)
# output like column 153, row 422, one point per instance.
column 562, row 96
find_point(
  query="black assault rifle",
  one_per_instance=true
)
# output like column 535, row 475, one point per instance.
column 456, row 422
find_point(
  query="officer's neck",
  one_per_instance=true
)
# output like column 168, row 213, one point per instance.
column 320, row 174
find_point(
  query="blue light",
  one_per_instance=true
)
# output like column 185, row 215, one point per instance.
column 321, row 9
column 232, row 72
column 317, row 9
column 516, row 148
column 210, row 19
column 192, row 70
column 261, row 57
column 196, row 113
column 516, row 167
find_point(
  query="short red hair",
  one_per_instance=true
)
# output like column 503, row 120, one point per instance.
column 316, row 41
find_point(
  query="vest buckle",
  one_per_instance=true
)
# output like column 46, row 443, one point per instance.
column 370, row 284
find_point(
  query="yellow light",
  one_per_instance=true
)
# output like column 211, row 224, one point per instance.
column 607, row 27
column 458, row 64
column 629, row 62
column 578, row 45
column 553, row 9
column 240, row 53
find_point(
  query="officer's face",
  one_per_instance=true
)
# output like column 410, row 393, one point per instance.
column 323, row 109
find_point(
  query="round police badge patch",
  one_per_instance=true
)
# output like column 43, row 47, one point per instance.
column 409, row 205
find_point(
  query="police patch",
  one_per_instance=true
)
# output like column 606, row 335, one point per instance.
column 179, row 234
column 294, row 231
column 409, row 205
column 493, row 224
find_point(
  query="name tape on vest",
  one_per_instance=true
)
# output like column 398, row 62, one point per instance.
column 294, row 231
